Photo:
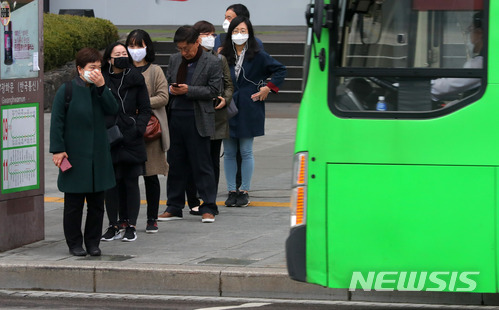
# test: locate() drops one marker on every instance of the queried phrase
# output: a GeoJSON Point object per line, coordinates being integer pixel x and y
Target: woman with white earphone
{"type": "Point", "coordinates": [250, 68]}
{"type": "Point", "coordinates": [129, 156]}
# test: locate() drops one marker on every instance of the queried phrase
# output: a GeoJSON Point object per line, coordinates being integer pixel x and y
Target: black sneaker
{"type": "Point", "coordinates": [111, 234]}
{"type": "Point", "coordinates": [242, 199]}
{"type": "Point", "coordinates": [231, 200]}
{"type": "Point", "coordinates": [152, 226]}
{"type": "Point", "coordinates": [130, 234]}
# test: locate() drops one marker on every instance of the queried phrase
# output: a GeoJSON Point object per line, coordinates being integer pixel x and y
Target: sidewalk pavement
{"type": "Point", "coordinates": [240, 255]}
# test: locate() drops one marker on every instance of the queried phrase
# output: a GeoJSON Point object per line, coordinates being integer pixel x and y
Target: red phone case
{"type": "Point", "coordinates": [65, 165]}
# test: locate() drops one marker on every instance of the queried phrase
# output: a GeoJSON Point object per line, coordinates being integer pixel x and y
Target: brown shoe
{"type": "Point", "coordinates": [207, 218]}
{"type": "Point", "coordinates": [167, 216]}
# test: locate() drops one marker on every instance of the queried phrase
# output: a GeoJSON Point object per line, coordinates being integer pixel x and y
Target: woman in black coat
{"type": "Point", "coordinates": [129, 155]}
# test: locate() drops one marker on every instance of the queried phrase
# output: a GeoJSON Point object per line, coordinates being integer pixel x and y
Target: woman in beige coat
{"type": "Point", "coordinates": [141, 48]}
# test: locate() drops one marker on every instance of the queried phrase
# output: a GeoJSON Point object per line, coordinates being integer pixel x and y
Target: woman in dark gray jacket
{"type": "Point", "coordinates": [206, 34]}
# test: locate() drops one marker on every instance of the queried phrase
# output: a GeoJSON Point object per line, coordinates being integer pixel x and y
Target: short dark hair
{"type": "Point", "coordinates": [239, 9]}
{"type": "Point", "coordinates": [136, 37]}
{"type": "Point", "coordinates": [227, 48]}
{"type": "Point", "coordinates": [203, 26]}
{"type": "Point", "coordinates": [186, 34]}
{"type": "Point", "coordinates": [87, 55]}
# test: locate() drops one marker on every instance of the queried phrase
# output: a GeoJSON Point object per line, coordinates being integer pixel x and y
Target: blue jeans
{"type": "Point", "coordinates": [230, 164]}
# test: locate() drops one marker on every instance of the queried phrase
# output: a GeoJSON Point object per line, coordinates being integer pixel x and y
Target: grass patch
{"type": "Point", "coordinates": [156, 34]}
{"type": "Point", "coordinates": [267, 32]}
{"type": "Point", "coordinates": [155, 39]}
{"type": "Point", "coordinates": [150, 31]}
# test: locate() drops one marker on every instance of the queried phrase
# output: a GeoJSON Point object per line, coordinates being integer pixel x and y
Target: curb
{"type": "Point", "coordinates": [182, 280]}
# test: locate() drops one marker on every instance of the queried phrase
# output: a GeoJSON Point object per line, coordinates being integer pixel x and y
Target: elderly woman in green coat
{"type": "Point", "coordinates": [78, 135]}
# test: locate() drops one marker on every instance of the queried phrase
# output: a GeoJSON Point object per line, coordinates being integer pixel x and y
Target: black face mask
{"type": "Point", "coordinates": [122, 62]}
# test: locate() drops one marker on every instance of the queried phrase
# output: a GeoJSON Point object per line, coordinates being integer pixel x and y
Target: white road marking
{"type": "Point", "coordinates": [249, 305]}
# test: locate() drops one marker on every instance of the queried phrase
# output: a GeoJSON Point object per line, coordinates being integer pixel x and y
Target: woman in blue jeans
{"type": "Point", "coordinates": [250, 68]}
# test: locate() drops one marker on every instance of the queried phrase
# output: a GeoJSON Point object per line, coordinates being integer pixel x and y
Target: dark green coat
{"type": "Point", "coordinates": [80, 131]}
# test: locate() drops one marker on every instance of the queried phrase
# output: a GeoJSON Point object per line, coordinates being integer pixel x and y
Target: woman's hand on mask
{"type": "Point", "coordinates": [97, 78]}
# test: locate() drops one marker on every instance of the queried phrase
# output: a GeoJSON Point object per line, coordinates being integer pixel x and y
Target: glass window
{"type": "Point", "coordinates": [401, 56]}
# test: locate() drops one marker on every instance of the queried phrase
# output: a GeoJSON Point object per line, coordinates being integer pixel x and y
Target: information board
{"type": "Point", "coordinates": [20, 147]}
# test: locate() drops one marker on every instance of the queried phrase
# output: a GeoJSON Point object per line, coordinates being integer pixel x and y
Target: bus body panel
{"type": "Point", "coordinates": [377, 222]}
{"type": "Point", "coordinates": [436, 155]}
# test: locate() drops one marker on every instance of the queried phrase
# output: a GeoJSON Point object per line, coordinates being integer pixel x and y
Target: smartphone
{"type": "Point", "coordinates": [216, 102]}
{"type": "Point", "coordinates": [175, 85]}
{"type": "Point", "coordinates": [65, 165]}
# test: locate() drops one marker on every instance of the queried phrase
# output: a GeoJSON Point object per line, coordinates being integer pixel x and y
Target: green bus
{"type": "Point", "coordinates": [395, 178]}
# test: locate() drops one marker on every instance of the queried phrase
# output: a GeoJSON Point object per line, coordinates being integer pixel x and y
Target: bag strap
{"type": "Point", "coordinates": [68, 93]}
{"type": "Point", "coordinates": [222, 83]}
{"type": "Point", "coordinates": [152, 76]}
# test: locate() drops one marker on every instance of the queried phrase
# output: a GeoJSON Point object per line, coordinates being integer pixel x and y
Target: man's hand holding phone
{"type": "Point", "coordinates": [178, 89]}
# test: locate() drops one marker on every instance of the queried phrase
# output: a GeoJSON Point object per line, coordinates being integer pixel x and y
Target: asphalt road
{"type": "Point", "coordinates": [80, 301]}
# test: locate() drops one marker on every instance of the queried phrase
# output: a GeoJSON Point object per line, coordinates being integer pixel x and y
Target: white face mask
{"type": "Point", "coordinates": [86, 76]}
{"type": "Point", "coordinates": [240, 39]}
{"type": "Point", "coordinates": [137, 54]}
{"type": "Point", "coordinates": [226, 25]}
{"type": "Point", "coordinates": [208, 42]}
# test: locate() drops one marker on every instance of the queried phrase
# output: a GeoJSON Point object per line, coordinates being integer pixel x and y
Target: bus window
{"type": "Point", "coordinates": [422, 57]}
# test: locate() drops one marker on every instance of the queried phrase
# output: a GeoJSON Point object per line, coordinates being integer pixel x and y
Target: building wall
{"type": "Point", "coordinates": [167, 12]}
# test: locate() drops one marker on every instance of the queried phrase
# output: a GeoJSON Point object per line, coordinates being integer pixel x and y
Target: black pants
{"type": "Point", "coordinates": [189, 153]}
{"type": "Point", "coordinates": [153, 192]}
{"type": "Point", "coordinates": [125, 199]}
{"type": "Point", "coordinates": [191, 191]}
{"type": "Point", "coordinates": [73, 213]}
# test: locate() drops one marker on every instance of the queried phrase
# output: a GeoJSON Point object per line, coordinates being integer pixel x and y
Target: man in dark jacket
{"type": "Point", "coordinates": [195, 78]}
